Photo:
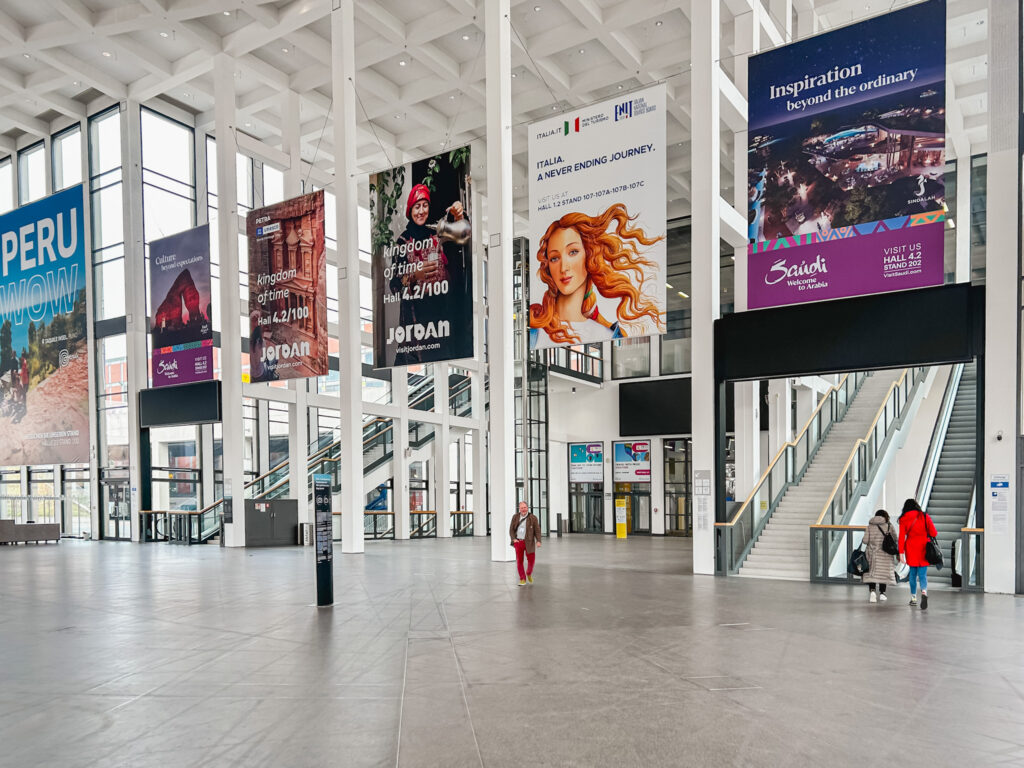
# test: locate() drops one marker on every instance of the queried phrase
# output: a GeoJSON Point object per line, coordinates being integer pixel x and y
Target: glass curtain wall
{"type": "Point", "coordinates": [107, 207]}
{"type": "Point", "coordinates": [6, 184]}
{"type": "Point", "coordinates": [66, 159]}
{"type": "Point", "coordinates": [32, 173]}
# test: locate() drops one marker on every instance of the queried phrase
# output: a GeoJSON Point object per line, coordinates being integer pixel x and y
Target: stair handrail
{"type": "Point", "coordinates": [931, 464]}
{"type": "Point", "coordinates": [731, 538]}
{"type": "Point", "coordinates": [972, 569]}
{"type": "Point", "coordinates": [896, 399]}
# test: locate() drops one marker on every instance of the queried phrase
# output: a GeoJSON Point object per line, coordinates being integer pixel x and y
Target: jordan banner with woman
{"type": "Point", "coordinates": [597, 222]}
{"type": "Point", "coordinates": [287, 290]}
{"type": "Point", "coordinates": [846, 161]}
{"type": "Point", "coordinates": [44, 352]}
{"type": "Point", "coordinates": [180, 307]}
{"type": "Point", "coordinates": [422, 261]}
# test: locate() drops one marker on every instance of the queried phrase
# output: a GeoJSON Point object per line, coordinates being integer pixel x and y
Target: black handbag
{"type": "Point", "coordinates": [933, 553]}
{"type": "Point", "coordinates": [858, 562]}
{"type": "Point", "coordinates": [889, 545]}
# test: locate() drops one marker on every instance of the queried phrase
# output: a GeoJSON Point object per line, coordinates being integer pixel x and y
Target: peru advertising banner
{"type": "Point", "coordinates": [597, 222]}
{"type": "Point", "coordinates": [44, 352]}
{"type": "Point", "coordinates": [179, 290]}
{"type": "Point", "coordinates": [287, 290]}
{"type": "Point", "coordinates": [845, 161]}
{"type": "Point", "coordinates": [422, 261]}
{"type": "Point", "coordinates": [586, 462]}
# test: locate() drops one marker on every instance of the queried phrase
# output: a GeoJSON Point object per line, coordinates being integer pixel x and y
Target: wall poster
{"type": "Point", "coordinates": [287, 290]}
{"type": "Point", "coordinates": [631, 462]}
{"type": "Point", "coordinates": [586, 462]}
{"type": "Point", "coordinates": [179, 290]}
{"type": "Point", "coordinates": [846, 157]}
{"type": "Point", "coordinates": [597, 222]}
{"type": "Point", "coordinates": [44, 351]}
{"type": "Point", "coordinates": [422, 261]}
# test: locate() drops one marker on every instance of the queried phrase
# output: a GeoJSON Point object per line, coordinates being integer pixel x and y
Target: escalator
{"type": "Point", "coordinates": [948, 481]}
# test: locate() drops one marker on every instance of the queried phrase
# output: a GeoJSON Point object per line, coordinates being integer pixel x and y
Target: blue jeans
{"type": "Point", "coordinates": [918, 572]}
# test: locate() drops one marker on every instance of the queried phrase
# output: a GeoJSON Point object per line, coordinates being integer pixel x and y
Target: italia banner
{"type": "Point", "coordinates": [44, 352]}
{"type": "Point", "coordinates": [287, 290]}
{"type": "Point", "coordinates": [422, 261]}
{"type": "Point", "coordinates": [179, 289]}
{"type": "Point", "coordinates": [846, 157]}
{"type": "Point", "coordinates": [597, 222]}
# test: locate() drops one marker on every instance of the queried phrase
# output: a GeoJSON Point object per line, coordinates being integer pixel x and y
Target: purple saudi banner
{"type": "Point", "coordinates": [845, 161]}
{"type": "Point", "coordinates": [179, 278]}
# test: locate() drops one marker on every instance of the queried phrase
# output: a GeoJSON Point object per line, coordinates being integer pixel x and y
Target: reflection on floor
{"type": "Point", "coordinates": [125, 655]}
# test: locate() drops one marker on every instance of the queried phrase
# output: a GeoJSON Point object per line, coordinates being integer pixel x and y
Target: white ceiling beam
{"type": "Point", "coordinates": [74, 11]}
{"type": "Point", "coordinates": [84, 72]}
{"type": "Point", "coordinates": [297, 14]}
{"type": "Point", "coordinates": [29, 124]}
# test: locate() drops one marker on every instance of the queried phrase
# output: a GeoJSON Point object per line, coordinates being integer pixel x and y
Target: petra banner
{"type": "Point", "coordinates": [287, 290]}
{"type": "Point", "coordinates": [586, 462]}
{"type": "Point", "coordinates": [846, 157]}
{"type": "Point", "coordinates": [422, 261]}
{"type": "Point", "coordinates": [44, 353]}
{"type": "Point", "coordinates": [597, 222]}
{"type": "Point", "coordinates": [179, 290]}
{"type": "Point", "coordinates": [631, 462]}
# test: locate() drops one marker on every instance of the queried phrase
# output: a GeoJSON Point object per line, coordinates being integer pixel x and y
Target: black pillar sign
{"type": "Point", "coordinates": [324, 540]}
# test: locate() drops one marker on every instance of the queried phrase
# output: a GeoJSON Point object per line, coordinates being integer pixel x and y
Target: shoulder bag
{"type": "Point", "coordinates": [859, 562]}
{"type": "Point", "coordinates": [932, 550]}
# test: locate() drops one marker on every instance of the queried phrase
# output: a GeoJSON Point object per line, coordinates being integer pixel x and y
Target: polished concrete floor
{"type": "Point", "coordinates": [126, 655]}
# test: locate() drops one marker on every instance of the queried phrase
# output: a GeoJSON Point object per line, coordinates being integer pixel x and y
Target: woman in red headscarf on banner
{"type": "Point", "coordinates": [421, 302]}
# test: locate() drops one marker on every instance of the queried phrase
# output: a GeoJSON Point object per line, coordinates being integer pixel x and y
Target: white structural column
{"type": "Point", "coordinates": [230, 320]}
{"type": "Point", "coordinates": [780, 420]}
{"type": "Point", "coordinates": [476, 386]}
{"type": "Point", "coordinates": [399, 449]}
{"type": "Point", "coordinates": [135, 293]}
{"type": "Point", "coordinates": [94, 360]}
{"type": "Point", "coordinates": [705, 34]}
{"type": "Point", "coordinates": [1002, 301]}
{"type": "Point", "coordinates": [499, 277]}
{"type": "Point", "coordinates": [442, 453]}
{"type": "Point", "coordinates": [343, 72]}
{"type": "Point", "coordinates": [961, 217]}
{"type": "Point", "coordinates": [298, 412]}
{"type": "Point", "coordinates": [746, 396]}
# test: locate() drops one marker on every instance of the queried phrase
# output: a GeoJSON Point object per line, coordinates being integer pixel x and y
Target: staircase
{"type": "Point", "coordinates": [950, 498]}
{"type": "Point", "coordinates": [782, 551]}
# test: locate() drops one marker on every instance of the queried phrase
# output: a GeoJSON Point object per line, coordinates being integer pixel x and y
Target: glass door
{"type": "Point", "coordinates": [586, 508]}
{"type": "Point", "coordinates": [117, 517]}
{"type": "Point", "coordinates": [77, 515]}
{"type": "Point", "coordinates": [641, 507]}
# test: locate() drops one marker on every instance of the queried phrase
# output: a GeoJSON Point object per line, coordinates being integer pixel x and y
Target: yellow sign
{"type": "Point", "coordinates": [620, 518]}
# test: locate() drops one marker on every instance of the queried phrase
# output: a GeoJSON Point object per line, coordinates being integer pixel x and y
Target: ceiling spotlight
{"type": "Point", "coordinates": [185, 94]}
{"type": "Point", "coordinates": [227, 13]}
{"type": "Point", "coordinates": [402, 62]}
{"type": "Point", "coordinates": [398, 116]}
{"type": "Point", "coordinates": [75, 82]}
{"type": "Point", "coordinates": [536, 8]}
{"type": "Point", "coordinates": [554, 108]}
{"type": "Point", "coordinates": [582, 50]}
{"type": "Point", "coordinates": [284, 50]}
{"type": "Point", "coordinates": [658, 23]}
{"type": "Point", "coordinates": [451, 97]}
{"type": "Point", "coordinates": [107, 54]}
{"type": "Point", "coordinates": [165, 34]}
{"type": "Point", "coordinates": [514, 75]}
{"type": "Point", "coordinates": [465, 37]}
{"type": "Point", "coordinates": [248, 124]}
{"type": "Point", "coordinates": [26, 55]}
{"type": "Point", "coordinates": [619, 87]}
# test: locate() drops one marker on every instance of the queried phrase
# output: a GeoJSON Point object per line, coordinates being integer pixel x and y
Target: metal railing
{"type": "Point", "coordinates": [931, 464]}
{"type": "Point", "coordinates": [736, 537]}
{"type": "Point", "coordinates": [462, 523]}
{"type": "Point", "coordinates": [826, 542]}
{"type": "Point", "coordinates": [585, 361]}
{"type": "Point", "coordinates": [969, 552]}
{"type": "Point", "coordinates": [423, 525]}
{"type": "Point", "coordinates": [857, 475]}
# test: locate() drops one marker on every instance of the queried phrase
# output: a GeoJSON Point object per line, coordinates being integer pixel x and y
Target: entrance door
{"type": "Point", "coordinates": [641, 507]}
{"type": "Point", "coordinates": [586, 508]}
{"type": "Point", "coordinates": [117, 517]}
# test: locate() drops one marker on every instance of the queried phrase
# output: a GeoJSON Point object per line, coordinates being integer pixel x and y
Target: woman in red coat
{"type": "Point", "coordinates": [916, 528]}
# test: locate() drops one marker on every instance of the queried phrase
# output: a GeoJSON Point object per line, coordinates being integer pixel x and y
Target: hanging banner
{"type": "Point", "coordinates": [586, 462]}
{"type": "Point", "coordinates": [846, 157]}
{"type": "Point", "coordinates": [287, 290]}
{"type": "Point", "coordinates": [44, 352]}
{"type": "Point", "coordinates": [179, 291]}
{"type": "Point", "coordinates": [631, 462]}
{"type": "Point", "coordinates": [422, 261]}
{"type": "Point", "coordinates": [597, 222]}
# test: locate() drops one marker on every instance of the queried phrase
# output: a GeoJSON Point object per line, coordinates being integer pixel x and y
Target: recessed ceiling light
{"type": "Point", "coordinates": [536, 8]}
{"type": "Point", "coordinates": [441, 143]}
{"type": "Point", "coordinates": [658, 23]}
{"type": "Point", "coordinates": [284, 50]}
{"type": "Point", "coordinates": [402, 62]}
{"type": "Point", "coordinates": [107, 54]}
{"type": "Point", "coordinates": [465, 37]}
{"type": "Point", "coordinates": [554, 108]}
{"type": "Point", "coordinates": [185, 94]}
{"type": "Point", "coordinates": [27, 56]}
{"type": "Point", "coordinates": [514, 75]}
{"type": "Point", "coordinates": [165, 34]}
{"type": "Point", "coordinates": [75, 82]}
{"type": "Point", "coordinates": [451, 97]}
{"type": "Point", "coordinates": [227, 13]}
{"type": "Point", "coordinates": [398, 116]}
{"type": "Point", "coordinates": [619, 87]}
{"type": "Point", "coordinates": [248, 124]}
